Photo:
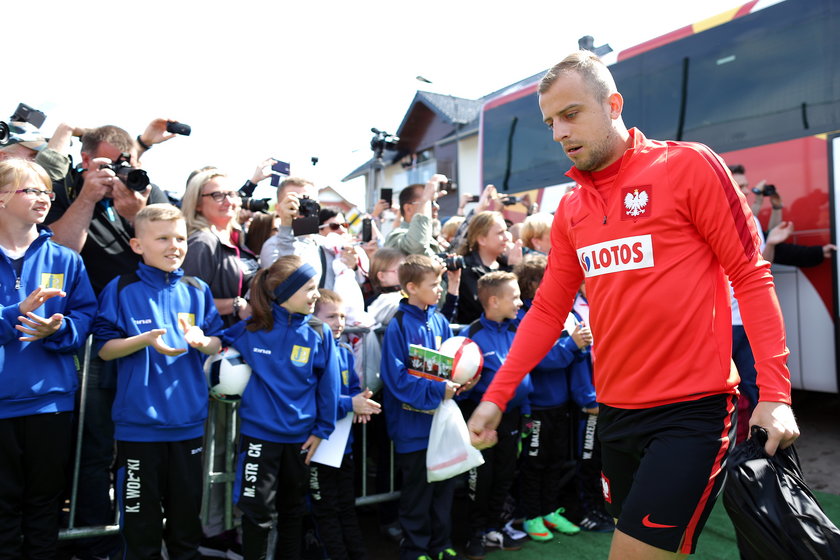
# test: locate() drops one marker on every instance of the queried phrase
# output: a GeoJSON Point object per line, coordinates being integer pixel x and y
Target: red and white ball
{"type": "Point", "coordinates": [467, 358]}
{"type": "Point", "coordinates": [227, 375]}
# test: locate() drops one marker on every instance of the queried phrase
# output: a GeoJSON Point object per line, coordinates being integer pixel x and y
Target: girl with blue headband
{"type": "Point", "coordinates": [289, 405]}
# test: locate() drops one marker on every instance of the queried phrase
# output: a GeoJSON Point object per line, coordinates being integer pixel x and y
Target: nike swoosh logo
{"type": "Point", "coordinates": [574, 222]}
{"type": "Point", "coordinates": [648, 523]}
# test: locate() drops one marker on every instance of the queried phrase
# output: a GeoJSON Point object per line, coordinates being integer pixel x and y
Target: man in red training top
{"type": "Point", "coordinates": [654, 228]}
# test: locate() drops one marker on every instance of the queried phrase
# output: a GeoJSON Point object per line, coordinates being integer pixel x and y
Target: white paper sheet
{"type": "Point", "coordinates": [330, 452]}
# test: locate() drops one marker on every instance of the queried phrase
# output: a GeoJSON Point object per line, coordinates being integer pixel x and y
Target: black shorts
{"type": "Point", "coordinates": [662, 467]}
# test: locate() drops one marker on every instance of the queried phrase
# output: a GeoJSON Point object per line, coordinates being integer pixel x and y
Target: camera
{"type": "Point", "coordinates": [474, 198]}
{"type": "Point", "coordinates": [5, 133]}
{"type": "Point", "coordinates": [382, 141]}
{"type": "Point", "coordinates": [25, 113]}
{"type": "Point", "coordinates": [307, 221]}
{"type": "Point", "coordinates": [308, 208]}
{"type": "Point", "coordinates": [510, 200]}
{"type": "Point", "coordinates": [768, 190]}
{"type": "Point", "coordinates": [132, 177]}
{"type": "Point", "coordinates": [452, 262]}
{"type": "Point", "coordinates": [173, 127]}
{"type": "Point", "coordinates": [255, 204]}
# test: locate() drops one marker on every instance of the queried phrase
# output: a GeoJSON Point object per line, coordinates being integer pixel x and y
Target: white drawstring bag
{"type": "Point", "coordinates": [450, 452]}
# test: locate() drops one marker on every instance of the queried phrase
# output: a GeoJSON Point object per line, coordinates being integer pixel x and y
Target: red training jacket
{"type": "Point", "coordinates": [655, 260]}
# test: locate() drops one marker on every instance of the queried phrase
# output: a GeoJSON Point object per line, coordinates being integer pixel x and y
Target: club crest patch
{"type": "Point", "coordinates": [188, 318]}
{"type": "Point", "coordinates": [638, 202]}
{"type": "Point", "coordinates": [300, 355]}
{"type": "Point", "coordinates": [49, 280]}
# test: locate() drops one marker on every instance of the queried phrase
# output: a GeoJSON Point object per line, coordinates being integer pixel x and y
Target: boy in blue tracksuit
{"type": "Point", "coordinates": [547, 461]}
{"type": "Point", "coordinates": [332, 489]}
{"type": "Point", "coordinates": [158, 325]}
{"type": "Point", "coordinates": [489, 483]}
{"type": "Point", "coordinates": [425, 509]}
{"type": "Point", "coordinates": [288, 407]}
{"type": "Point", "coordinates": [46, 307]}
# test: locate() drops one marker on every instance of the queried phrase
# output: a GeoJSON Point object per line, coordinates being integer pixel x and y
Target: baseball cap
{"type": "Point", "coordinates": [27, 135]}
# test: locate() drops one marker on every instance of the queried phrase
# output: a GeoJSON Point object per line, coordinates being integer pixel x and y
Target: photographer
{"type": "Point", "coordinates": [790, 254]}
{"type": "Point", "coordinates": [415, 235]}
{"type": "Point", "coordinates": [297, 198]}
{"type": "Point", "coordinates": [26, 142]}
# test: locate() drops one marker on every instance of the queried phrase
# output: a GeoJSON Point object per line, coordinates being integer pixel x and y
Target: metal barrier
{"type": "Point", "coordinates": [212, 477]}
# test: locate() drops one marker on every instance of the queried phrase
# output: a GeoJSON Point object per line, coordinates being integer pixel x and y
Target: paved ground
{"type": "Point", "coordinates": [818, 415]}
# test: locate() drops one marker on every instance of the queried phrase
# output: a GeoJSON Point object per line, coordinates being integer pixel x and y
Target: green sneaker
{"type": "Point", "coordinates": [559, 523]}
{"type": "Point", "coordinates": [424, 557]}
{"type": "Point", "coordinates": [537, 530]}
{"type": "Point", "coordinates": [448, 554]}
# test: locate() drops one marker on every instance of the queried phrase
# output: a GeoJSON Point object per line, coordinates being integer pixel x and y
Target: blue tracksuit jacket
{"type": "Point", "coordinates": [409, 400]}
{"type": "Point", "coordinates": [495, 339]}
{"type": "Point", "coordinates": [295, 380]}
{"type": "Point", "coordinates": [562, 375]}
{"type": "Point", "coordinates": [40, 377]}
{"type": "Point", "coordinates": [350, 386]}
{"type": "Point", "coordinates": [159, 397]}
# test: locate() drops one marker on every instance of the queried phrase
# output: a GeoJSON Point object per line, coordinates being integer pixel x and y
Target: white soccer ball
{"type": "Point", "coordinates": [227, 375]}
{"type": "Point", "coordinates": [467, 358]}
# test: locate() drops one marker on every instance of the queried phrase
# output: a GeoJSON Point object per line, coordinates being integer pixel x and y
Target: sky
{"type": "Point", "coordinates": [293, 80]}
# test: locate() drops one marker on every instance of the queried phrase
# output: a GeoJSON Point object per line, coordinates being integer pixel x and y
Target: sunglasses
{"type": "Point", "coordinates": [219, 196]}
{"type": "Point", "coordinates": [335, 227]}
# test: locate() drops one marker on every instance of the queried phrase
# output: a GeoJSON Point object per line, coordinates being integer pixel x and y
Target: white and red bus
{"type": "Point", "coordinates": [763, 90]}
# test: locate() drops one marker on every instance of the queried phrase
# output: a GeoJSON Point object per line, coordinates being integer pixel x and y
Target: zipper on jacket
{"type": "Point", "coordinates": [17, 282]}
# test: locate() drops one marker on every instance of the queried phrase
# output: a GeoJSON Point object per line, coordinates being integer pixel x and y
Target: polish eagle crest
{"type": "Point", "coordinates": [635, 202]}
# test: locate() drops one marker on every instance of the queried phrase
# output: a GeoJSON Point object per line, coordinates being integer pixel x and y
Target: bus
{"type": "Point", "coordinates": [762, 90]}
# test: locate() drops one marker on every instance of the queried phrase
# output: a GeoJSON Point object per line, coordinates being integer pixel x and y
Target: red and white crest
{"type": "Point", "coordinates": [637, 202]}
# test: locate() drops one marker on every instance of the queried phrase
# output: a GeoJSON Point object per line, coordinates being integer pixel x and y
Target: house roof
{"type": "Point", "coordinates": [463, 114]}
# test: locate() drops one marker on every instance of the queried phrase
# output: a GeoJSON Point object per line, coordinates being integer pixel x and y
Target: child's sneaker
{"type": "Point", "coordinates": [597, 522]}
{"type": "Point", "coordinates": [448, 554]}
{"type": "Point", "coordinates": [498, 539]}
{"type": "Point", "coordinates": [559, 523]}
{"type": "Point", "coordinates": [474, 550]}
{"type": "Point", "coordinates": [537, 530]}
{"type": "Point", "coordinates": [513, 532]}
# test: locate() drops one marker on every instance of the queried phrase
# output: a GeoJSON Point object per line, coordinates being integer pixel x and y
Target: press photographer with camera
{"type": "Point", "coordinates": [416, 233]}
{"type": "Point", "coordinates": [790, 254]}
{"type": "Point", "coordinates": [298, 210]}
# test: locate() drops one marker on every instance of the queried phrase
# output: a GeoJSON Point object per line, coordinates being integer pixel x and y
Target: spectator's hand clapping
{"type": "Point", "coordinates": [154, 338]}
{"type": "Point", "coordinates": [35, 327]}
{"type": "Point", "coordinates": [364, 407]}
{"type": "Point", "coordinates": [37, 298]}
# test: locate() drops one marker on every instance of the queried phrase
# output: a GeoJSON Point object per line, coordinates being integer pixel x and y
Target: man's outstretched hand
{"type": "Point", "coordinates": [483, 423]}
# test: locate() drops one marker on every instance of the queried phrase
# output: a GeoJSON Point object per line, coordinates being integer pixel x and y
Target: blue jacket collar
{"type": "Point", "coordinates": [156, 276]}
{"type": "Point", "coordinates": [283, 316]}
{"type": "Point", "coordinates": [416, 312]}
{"type": "Point", "coordinates": [495, 325]}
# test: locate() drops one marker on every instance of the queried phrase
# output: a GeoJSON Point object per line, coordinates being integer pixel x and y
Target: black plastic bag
{"type": "Point", "coordinates": [775, 514]}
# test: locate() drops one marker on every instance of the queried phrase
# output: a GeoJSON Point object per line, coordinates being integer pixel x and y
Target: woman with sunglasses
{"type": "Point", "coordinates": [216, 246]}
{"type": "Point", "coordinates": [46, 308]}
